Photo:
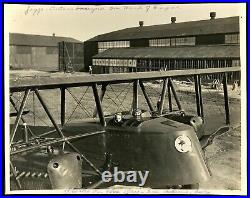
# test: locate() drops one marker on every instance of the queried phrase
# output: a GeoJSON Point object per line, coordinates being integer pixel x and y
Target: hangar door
{"type": "Point", "coordinates": [71, 57]}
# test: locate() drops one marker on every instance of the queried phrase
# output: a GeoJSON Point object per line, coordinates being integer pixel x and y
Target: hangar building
{"type": "Point", "coordinates": [39, 52]}
{"type": "Point", "coordinates": [195, 44]}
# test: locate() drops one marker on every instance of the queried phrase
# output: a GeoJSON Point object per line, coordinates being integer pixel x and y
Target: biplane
{"type": "Point", "coordinates": [169, 143]}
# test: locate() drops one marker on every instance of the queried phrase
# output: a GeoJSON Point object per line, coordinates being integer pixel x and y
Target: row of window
{"type": "Point", "coordinates": [170, 64]}
{"type": "Point", "coordinates": [115, 69]}
{"type": "Point", "coordinates": [164, 42]}
{"type": "Point", "coordinates": [172, 42]}
{"type": "Point", "coordinates": [102, 46]}
{"type": "Point", "coordinates": [232, 38]}
{"type": "Point", "coordinates": [114, 62]}
{"type": "Point", "coordinates": [186, 63]}
{"type": "Point", "coordinates": [144, 65]}
{"type": "Point", "coordinates": [167, 64]}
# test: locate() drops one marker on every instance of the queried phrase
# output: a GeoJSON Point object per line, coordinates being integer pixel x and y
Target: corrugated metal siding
{"type": "Point", "coordinates": [43, 61]}
{"type": "Point", "coordinates": [19, 61]}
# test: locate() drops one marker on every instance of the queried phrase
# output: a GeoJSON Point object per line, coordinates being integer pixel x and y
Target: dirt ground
{"type": "Point", "coordinates": [223, 156]}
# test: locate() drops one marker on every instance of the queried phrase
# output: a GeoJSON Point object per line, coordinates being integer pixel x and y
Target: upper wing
{"type": "Point", "coordinates": [55, 80]}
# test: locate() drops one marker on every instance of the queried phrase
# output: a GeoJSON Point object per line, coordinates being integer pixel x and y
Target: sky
{"type": "Point", "coordinates": [83, 22]}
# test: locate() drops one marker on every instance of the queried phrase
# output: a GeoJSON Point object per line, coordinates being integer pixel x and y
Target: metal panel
{"type": "Point", "coordinates": [43, 61]}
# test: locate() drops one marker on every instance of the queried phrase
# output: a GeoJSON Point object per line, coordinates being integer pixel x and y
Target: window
{"type": "Point", "coordinates": [115, 62]}
{"type": "Point", "coordinates": [102, 62]}
{"type": "Point", "coordinates": [112, 61]}
{"type": "Point", "coordinates": [102, 46]}
{"type": "Point", "coordinates": [119, 62]}
{"type": "Point", "coordinates": [125, 62]}
{"type": "Point", "coordinates": [159, 42]}
{"type": "Point", "coordinates": [98, 62]}
{"type": "Point", "coordinates": [130, 62]}
{"type": "Point", "coordinates": [185, 41]}
{"type": "Point", "coordinates": [172, 42]}
{"type": "Point", "coordinates": [107, 62]}
{"type": "Point", "coordinates": [232, 38]}
{"type": "Point", "coordinates": [235, 63]}
{"type": "Point", "coordinates": [23, 49]}
{"type": "Point", "coordinates": [134, 63]}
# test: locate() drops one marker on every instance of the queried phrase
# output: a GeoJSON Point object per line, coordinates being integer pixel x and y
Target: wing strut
{"type": "Point", "coordinates": [199, 103]}
{"type": "Point", "coordinates": [170, 106]}
{"type": "Point", "coordinates": [146, 96]}
{"type": "Point", "coordinates": [98, 105]}
{"type": "Point", "coordinates": [163, 95]}
{"type": "Point", "coordinates": [226, 98]}
{"type": "Point", "coordinates": [103, 91]}
{"type": "Point", "coordinates": [19, 115]}
{"type": "Point", "coordinates": [63, 105]}
{"type": "Point", "coordinates": [174, 94]}
{"type": "Point", "coordinates": [135, 104]}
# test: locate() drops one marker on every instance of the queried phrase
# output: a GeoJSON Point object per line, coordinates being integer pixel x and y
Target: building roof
{"type": "Point", "coordinates": [191, 28]}
{"type": "Point", "coordinates": [221, 51]}
{"type": "Point", "coordinates": [38, 40]}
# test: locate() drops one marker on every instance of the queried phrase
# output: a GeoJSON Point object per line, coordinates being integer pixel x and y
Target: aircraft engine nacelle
{"type": "Point", "coordinates": [168, 149]}
{"type": "Point", "coordinates": [65, 171]}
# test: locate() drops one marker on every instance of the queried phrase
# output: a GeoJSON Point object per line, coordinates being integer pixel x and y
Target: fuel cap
{"type": "Point", "coordinates": [183, 144]}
